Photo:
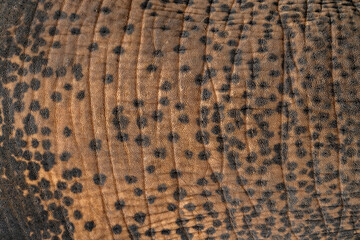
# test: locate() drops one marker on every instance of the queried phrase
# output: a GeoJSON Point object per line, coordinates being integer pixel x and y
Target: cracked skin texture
{"type": "Point", "coordinates": [179, 119]}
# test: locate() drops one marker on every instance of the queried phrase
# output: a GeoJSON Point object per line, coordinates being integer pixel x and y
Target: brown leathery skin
{"type": "Point", "coordinates": [179, 119]}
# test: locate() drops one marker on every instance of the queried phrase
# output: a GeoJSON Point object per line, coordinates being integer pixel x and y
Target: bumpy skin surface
{"type": "Point", "coordinates": [179, 119]}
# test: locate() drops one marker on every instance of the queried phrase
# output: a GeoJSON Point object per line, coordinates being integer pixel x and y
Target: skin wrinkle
{"type": "Point", "coordinates": [107, 137]}
{"type": "Point", "coordinates": [231, 8]}
{"type": "Point", "coordinates": [246, 128]}
{"type": "Point", "coordinates": [312, 158]}
{"type": "Point", "coordinates": [118, 82]}
{"type": "Point", "coordinates": [293, 101]}
{"type": "Point", "coordinates": [92, 118]}
{"type": "Point", "coordinates": [179, 94]}
{"type": "Point", "coordinates": [175, 163]}
{"type": "Point", "coordinates": [337, 158]}
{"type": "Point", "coordinates": [181, 32]}
{"type": "Point", "coordinates": [171, 114]}
{"type": "Point", "coordinates": [178, 182]}
{"type": "Point", "coordinates": [157, 122]}
{"type": "Point", "coordinates": [158, 88]}
{"type": "Point", "coordinates": [201, 129]}
{"type": "Point", "coordinates": [55, 108]}
{"type": "Point", "coordinates": [245, 135]}
{"type": "Point", "coordinates": [174, 160]}
{"type": "Point", "coordinates": [313, 167]}
{"type": "Point", "coordinates": [245, 125]}
{"type": "Point", "coordinates": [71, 114]}
{"type": "Point", "coordinates": [137, 94]}
{"type": "Point", "coordinates": [281, 133]}
{"type": "Point", "coordinates": [117, 102]}
{"type": "Point", "coordinates": [338, 133]}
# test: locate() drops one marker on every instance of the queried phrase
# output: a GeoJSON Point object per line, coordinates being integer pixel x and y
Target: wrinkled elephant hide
{"type": "Point", "coordinates": [179, 119]}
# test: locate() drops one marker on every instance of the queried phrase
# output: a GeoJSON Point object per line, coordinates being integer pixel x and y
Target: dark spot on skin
{"type": "Point", "coordinates": [60, 72]}
{"type": "Point", "coordinates": [80, 95]}
{"type": "Point", "coordinates": [89, 226]}
{"type": "Point", "coordinates": [179, 194]}
{"type": "Point", "coordinates": [129, 29]}
{"type": "Point", "coordinates": [30, 125]}
{"type": "Point", "coordinates": [150, 169]}
{"type": "Point", "coordinates": [60, 15]}
{"type": "Point", "coordinates": [130, 179]}
{"type": "Point", "coordinates": [151, 68]}
{"type": "Point", "coordinates": [65, 156]}
{"type": "Point", "coordinates": [93, 47]}
{"type": "Point", "coordinates": [76, 188]}
{"type": "Point", "coordinates": [56, 97]}
{"type": "Point", "coordinates": [47, 72]}
{"type": "Point", "coordinates": [106, 10]}
{"type": "Point", "coordinates": [108, 79]}
{"type": "Point", "coordinates": [48, 161]}
{"type": "Point", "coordinates": [179, 49]}
{"type": "Point", "coordinates": [142, 140]}
{"type": "Point", "coordinates": [158, 53]}
{"type": "Point", "coordinates": [118, 50]}
{"type": "Point", "coordinates": [35, 84]}
{"type": "Point", "coordinates": [104, 31]}
{"type": "Point", "coordinates": [139, 217]}
{"type": "Point", "coordinates": [73, 17]}
{"type": "Point", "coordinates": [233, 160]}
{"type": "Point", "coordinates": [95, 144]}
{"type": "Point", "coordinates": [160, 153]}
{"type": "Point", "coordinates": [77, 71]}
{"type": "Point", "coordinates": [204, 155]}
{"type": "Point", "coordinates": [119, 205]}
{"type": "Point", "coordinates": [117, 229]}
{"type": "Point", "coordinates": [99, 179]}
{"type": "Point", "coordinates": [75, 31]}
{"type": "Point", "coordinates": [67, 132]}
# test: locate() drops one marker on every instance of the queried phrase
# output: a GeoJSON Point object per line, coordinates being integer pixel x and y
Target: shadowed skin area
{"type": "Point", "coordinates": [179, 119]}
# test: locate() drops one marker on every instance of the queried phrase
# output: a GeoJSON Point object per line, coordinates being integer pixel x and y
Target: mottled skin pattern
{"type": "Point", "coordinates": [179, 119]}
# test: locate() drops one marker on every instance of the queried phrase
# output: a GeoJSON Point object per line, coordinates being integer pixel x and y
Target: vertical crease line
{"type": "Point", "coordinates": [71, 112]}
{"type": "Point", "coordinates": [126, 148]}
{"type": "Point", "coordinates": [108, 139]}
{"type": "Point", "coordinates": [337, 128]}
{"type": "Point", "coordinates": [137, 92]}
{"type": "Point", "coordinates": [92, 119]}
{"type": "Point", "coordinates": [201, 128]}
{"type": "Point", "coordinates": [281, 127]}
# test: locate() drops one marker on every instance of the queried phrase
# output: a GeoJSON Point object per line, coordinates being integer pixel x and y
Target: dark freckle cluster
{"type": "Point", "coordinates": [179, 119]}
